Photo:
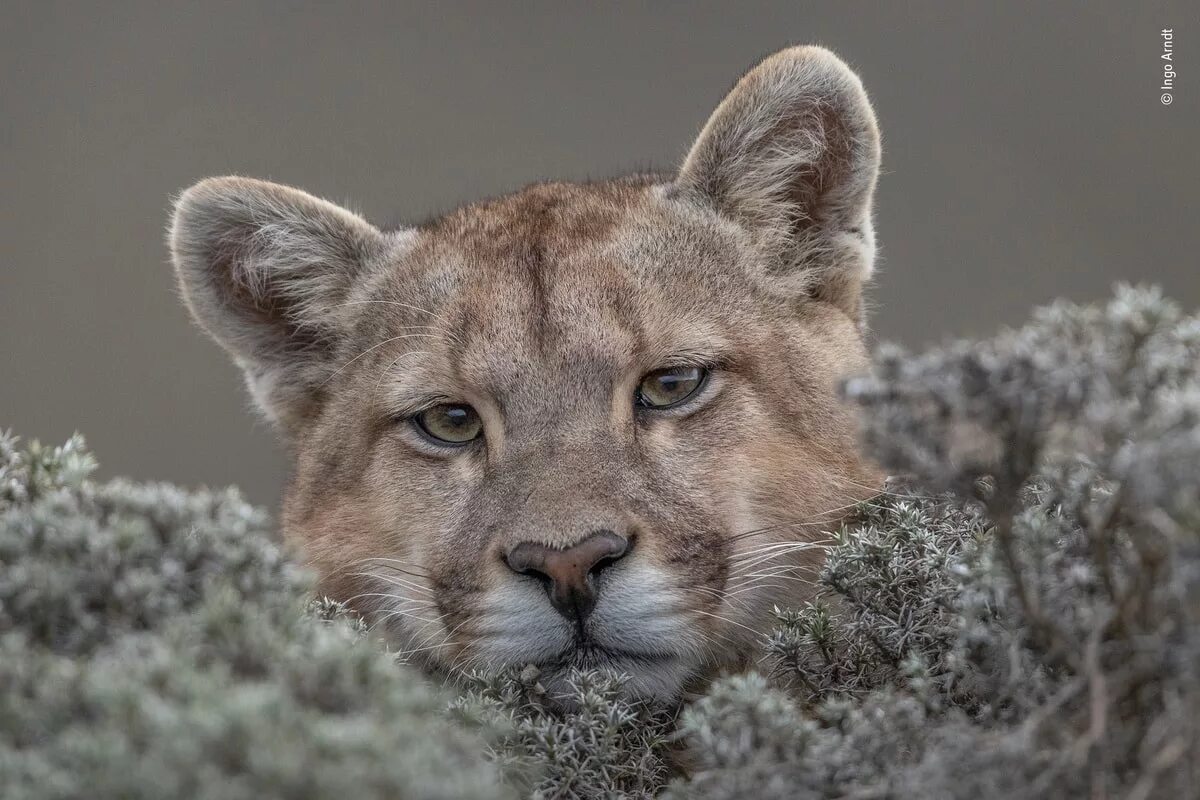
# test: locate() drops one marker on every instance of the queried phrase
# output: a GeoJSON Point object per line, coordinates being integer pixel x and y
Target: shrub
{"type": "Point", "coordinates": [1033, 632]}
{"type": "Point", "coordinates": [594, 741]}
{"type": "Point", "coordinates": [153, 645]}
{"type": "Point", "coordinates": [1016, 615]}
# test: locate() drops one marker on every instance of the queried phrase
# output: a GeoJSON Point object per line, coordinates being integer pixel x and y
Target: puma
{"type": "Point", "coordinates": [582, 425]}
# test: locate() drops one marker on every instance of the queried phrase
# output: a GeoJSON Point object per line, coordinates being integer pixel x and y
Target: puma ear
{"type": "Point", "coordinates": [792, 154]}
{"type": "Point", "coordinates": [263, 267]}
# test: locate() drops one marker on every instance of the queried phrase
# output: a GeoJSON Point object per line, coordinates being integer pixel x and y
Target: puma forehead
{"type": "Point", "coordinates": [579, 425]}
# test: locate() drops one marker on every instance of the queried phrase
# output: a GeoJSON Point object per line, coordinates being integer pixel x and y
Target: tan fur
{"type": "Point", "coordinates": [542, 310]}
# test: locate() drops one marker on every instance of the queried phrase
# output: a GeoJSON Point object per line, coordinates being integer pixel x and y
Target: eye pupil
{"type": "Point", "coordinates": [669, 387]}
{"type": "Point", "coordinates": [450, 424]}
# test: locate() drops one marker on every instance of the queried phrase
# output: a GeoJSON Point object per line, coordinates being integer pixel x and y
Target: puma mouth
{"type": "Point", "coordinates": [649, 675]}
{"type": "Point", "coordinates": [590, 654]}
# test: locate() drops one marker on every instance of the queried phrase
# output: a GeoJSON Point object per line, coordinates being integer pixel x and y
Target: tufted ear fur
{"type": "Point", "coordinates": [792, 155]}
{"type": "Point", "coordinates": [262, 268]}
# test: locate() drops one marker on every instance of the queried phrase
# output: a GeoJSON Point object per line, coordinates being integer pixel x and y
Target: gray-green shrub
{"type": "Point", "coordinates": [1017, 615]}
{"type": "Point", "coordinates": [153, 645]}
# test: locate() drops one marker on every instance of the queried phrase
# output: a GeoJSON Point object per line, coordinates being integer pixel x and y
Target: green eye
{"type": "Point", "coordinates": [450, 424]}
{"type": "Point", "coordinates": [665, 388]}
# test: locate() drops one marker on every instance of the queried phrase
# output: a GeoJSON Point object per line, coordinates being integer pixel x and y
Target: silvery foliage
{"type": "Point", "coordinates": [153, 645]}
{"type": "Point", "coordinates": [590, 741]}
{"type": "Point", "coordinates": [1020, 615]}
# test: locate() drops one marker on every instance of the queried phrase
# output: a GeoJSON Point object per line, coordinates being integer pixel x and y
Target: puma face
{"type": "Point", "coordinates": [583, 425]}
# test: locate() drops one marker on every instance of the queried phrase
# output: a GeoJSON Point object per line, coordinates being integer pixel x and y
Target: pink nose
{"type": "Point", "coordinates": [569, 575]}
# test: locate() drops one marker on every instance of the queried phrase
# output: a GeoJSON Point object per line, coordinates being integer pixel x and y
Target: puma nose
{"type": "Point", "coordinates": [569, 575]}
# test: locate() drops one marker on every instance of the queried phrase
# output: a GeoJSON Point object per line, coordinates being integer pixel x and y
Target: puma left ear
{"type": "Point", "coordinates": [792, 155]}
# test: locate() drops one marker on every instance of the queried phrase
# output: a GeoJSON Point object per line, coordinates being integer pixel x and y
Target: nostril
{"type": "Point", "coordinates": [610, 552]}
{"type": "Point", "coordinates": [602, 565]}
{"type": "Point", "coordinates": [527, 558]}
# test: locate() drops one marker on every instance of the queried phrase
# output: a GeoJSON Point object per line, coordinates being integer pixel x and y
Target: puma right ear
{"type": "Point", "coordinates": [262, 268]}
{"type": "Point", "coordinates": [792, 154]}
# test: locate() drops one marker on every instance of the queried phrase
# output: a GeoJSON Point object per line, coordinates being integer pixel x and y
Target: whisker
{"type": "Point", "coordinates": [391, 614]}
{"type": "Point", "coordinates": [757, 531]}
{"type": "Point", "coordinates": [749, 586]}
{"type": "Point", "coordinates": [383, 375]}
{"type": "Point", "coordinates": [766, 559]}
{"type": "Point", "coordinates": [719, 596]}
{"type": "Point", "coordinates": [743, 563]}
{"type": "Point", "coordinates": [726, 620]}
{"type": "Point", "coordinates": [445, 640]}
{"type": "Point", "coordinates": [388, 616]}
{"type": "Point", "coordinates": [757, 582]}
{"type": "Point", "coordinates": [449, 334]}
{"type": "Point", "coordinates": [796, 543]}
{"type": "Point", "coordinates": [780, 569]}
{"type": "Point", "coordinates": [390, 562]}
{"type": "Point", "coordinates": [376, 347]}
{"type": "Point", "coordinates": [798, 522]}
{"type": "Point", "coordinates": [395, 581]}
{"type": "Point", "coordinates": [387, 595]}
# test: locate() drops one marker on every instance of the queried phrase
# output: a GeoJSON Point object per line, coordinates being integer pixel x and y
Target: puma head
{"type": "Point", "coordinates": [582, 425]}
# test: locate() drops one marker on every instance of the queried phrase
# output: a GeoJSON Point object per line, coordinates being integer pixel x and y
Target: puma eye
{"type": "Point", "coordinates": [666, 388]}
{"type": "Point", "coordinates": [450, 424]}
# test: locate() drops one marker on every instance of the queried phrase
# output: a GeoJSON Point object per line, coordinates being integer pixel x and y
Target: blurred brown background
{"type": "Point", "coordinates": [1027, 156]}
